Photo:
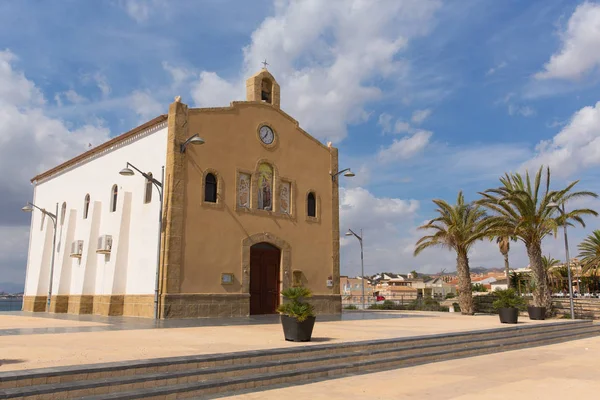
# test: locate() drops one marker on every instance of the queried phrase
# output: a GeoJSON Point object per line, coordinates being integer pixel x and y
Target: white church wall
{"type": "Point", "coordinates": [130, 268]}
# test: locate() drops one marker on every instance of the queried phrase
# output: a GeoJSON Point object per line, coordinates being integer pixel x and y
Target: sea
{"type": "Point", "coordinates": [13, 304]}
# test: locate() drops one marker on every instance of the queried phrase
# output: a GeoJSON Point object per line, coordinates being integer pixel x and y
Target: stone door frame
{"type": "Point", "coordinates": [285, 264]}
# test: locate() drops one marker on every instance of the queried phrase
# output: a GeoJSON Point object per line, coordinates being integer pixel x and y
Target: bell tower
{"type": "Point", "coordinates": [263, 87]}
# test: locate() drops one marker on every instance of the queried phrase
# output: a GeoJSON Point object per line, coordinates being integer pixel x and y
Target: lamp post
{"type": "Point", "coordinates": [127, 171]}
{"type": "Point", "coordinates": [362, 265]}
{"type": "Point", "coordinates": [562, 212]}
{"type": "Point", "coordinates": [195, 139]}
{"type": "Point", "coordinates": [347, 173]}
{"type": "Point", "coordinates": [29, 208]}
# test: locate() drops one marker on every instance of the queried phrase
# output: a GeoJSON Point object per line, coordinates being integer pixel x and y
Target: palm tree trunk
{"type": "Point", "coordinates": [507, 270]}
{"type": "Point", "coordinates": [465, 297]}
{"type": "Point", "coordinates": [540, 294]}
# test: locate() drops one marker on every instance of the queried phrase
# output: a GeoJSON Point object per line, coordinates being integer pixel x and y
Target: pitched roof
{"type": "Point", "coordinates": [101, 147]}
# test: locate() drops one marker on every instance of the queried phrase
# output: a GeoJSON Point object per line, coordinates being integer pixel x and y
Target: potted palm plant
{"type": "Point", "coordinates": [534, 312]}
{"type": "Point", "coordinates": [508, 304]}
{"type": "Point", "coordinates": [297, 316]}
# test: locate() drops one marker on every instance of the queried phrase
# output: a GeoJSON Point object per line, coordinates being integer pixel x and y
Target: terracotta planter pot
{"type": "Point", "coordinates": [537, 313]}
{"type": "Point", "coordinates": [509, 315]}
{"type": "Point", "coordinates": [295, 331]}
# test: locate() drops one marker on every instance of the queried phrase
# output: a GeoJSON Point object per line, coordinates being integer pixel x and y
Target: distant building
{"type": "Point", "coordinates": [351, 290]}
{"type": "Point", "coordinates": [434, 287]}
{"type": "Point", "coordinates": [499, 284]}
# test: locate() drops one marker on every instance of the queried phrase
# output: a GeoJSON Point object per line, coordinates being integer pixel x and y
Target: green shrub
{"type": "Point", "coordinates": [350, 307]}
{"type": "Point", "coordinates": [387, 305]}
{"type": "Point", "coordinates": [294, 306]}
{"type": "Point", "coordinates": [456, 307]}
{"type": "Point", "coordinates": [450, 296]}
{"type": "Point", "coordinates": [508, 298]}
{"type": "Point", "coordinates": [427, 304]}
{"type": "Point", "coordinates": [478, 287]}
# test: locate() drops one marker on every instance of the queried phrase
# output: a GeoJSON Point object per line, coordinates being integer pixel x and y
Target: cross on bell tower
{"type": "Point", "coordinates": [265, 63]}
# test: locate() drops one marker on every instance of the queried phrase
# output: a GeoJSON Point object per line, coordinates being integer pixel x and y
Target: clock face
{"type": "Point", "coordinates": [266, 134]}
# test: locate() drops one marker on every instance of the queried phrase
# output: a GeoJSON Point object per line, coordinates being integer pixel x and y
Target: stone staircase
{"type": "Point", "coordinates": [213, 375]}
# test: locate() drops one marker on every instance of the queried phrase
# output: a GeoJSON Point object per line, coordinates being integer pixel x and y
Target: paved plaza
{"type": "Point", "coordinates": [40, 340]}
{"type": "Point", "coordinates": [561, 371]}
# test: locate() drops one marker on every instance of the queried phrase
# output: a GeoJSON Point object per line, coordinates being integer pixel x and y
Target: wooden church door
{"type": "Point", "coordinates": [264, 279]}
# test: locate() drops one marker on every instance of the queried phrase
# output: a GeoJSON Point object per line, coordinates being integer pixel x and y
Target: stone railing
{"type": "Point", "coordinates": [584, 308]}
{"type": "Point", "coordinates": [483, 304]}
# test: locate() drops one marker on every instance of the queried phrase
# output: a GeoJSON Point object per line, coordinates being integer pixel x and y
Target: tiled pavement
{"type": "Point", "coordinates": [102, 324]}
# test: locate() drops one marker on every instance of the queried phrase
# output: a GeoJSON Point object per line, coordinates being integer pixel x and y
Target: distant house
{"type": "Point", "coordinates": [351, 290]}
{"type": "Point", "coordinates": [499, 284]}
{"type": "Point", "coordinates": [435, 287]}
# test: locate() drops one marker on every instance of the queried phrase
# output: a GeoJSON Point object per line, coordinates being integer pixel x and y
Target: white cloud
{"type": "Point", "coordinates": [25, 131]}
{"type": "Point", "coordinates": [524, 111]}
{"type": "Point", "coordinates": [102, 84]}
{"type": "Point", "coordinates": [386, 120]}
{"type": "Point", "coordinates": [513, 108]}
{"type": "Point", "coordinates": [359, 207]}
{"type": "Point", "coordinates": [74, 97]}
{"type": "Point", "coordinates": [419, 116]}
{"type": "Point", "coordinates": [179, 75]}
{"type": "Point", "coordinates": [146, 106]}
{"type": "Point", "coordinates": [406, 147]}
{"type": "Point", "coordinates": [71, 95]}
{"type": "Point", "coordinates": [580, 51]}
{"type": "Point", "coordinates": [401, 127]}
{"type": "Point", "coordinates": [384, 222]}
{"type": "Point", "coordinates": [15, 89]}
{"type": "Point", "coordinates": [325, 57]}
{"type": "Point", "coordinates": [213, 91]}
{"type": "Point", "coordinates": [141, 10]}
{"type": "Point", "coordinates": [575, 147]}
{"type": "Point", "coordinates": [495, 69]}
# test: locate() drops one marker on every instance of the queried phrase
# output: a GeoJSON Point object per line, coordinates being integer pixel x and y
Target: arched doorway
{"type": "Point", "coordinates": [264, 278]}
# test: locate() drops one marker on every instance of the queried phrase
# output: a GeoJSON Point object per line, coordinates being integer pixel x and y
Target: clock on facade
{"type": "Point", "coordinates": [266, 134]}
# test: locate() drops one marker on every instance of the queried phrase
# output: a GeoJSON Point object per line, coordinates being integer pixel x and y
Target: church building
{"type": "Point", "coordinates": [201, 212]}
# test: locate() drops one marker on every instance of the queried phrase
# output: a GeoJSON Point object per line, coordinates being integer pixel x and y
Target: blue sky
{"type": "Point", "coordinates": [423, 98]}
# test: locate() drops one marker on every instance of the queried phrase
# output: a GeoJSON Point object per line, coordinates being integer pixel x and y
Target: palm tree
{"type": "Point", "coordinates": [522, 211]}
{"type": "Point", "coordinates": [457, 228]}
{"type": "Point", "coordinates": [552, 273]}
{"type": "Point", "coordinates": [504, 247]}
{"type": "Point", "coordinates": [589, 252]}
{"type": "Point", "coordinates": [518, 280]}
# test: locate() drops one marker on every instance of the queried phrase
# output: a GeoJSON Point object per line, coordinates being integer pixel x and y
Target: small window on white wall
{"type": "Point", "coordinates": [86, 206]}
{"type": "Point", "coordinates": [113, 199]}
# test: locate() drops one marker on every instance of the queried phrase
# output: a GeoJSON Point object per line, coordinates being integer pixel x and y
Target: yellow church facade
{"type": "Point", "coordinates": [250, 212]}
{"type": "Point", "coordinates": [273, 222]}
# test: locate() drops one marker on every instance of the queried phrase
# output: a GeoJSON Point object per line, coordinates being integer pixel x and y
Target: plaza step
{"type": "Point", "coordinates": [206, 375]}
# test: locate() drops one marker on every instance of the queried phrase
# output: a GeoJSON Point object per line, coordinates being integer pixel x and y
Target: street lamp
{"type": "Point", "coordinates": [362, 265]}
{"type": "Point", "coordinates": [128, 171]}
{"type": "Point", "coordinates": [562, 211]}
{"type": "Point", "coordinates": [29, 208]}
{"type": "Point", "coordinates": [196, 139]}
{"type": "Point", "coordinates": [347, 173]}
